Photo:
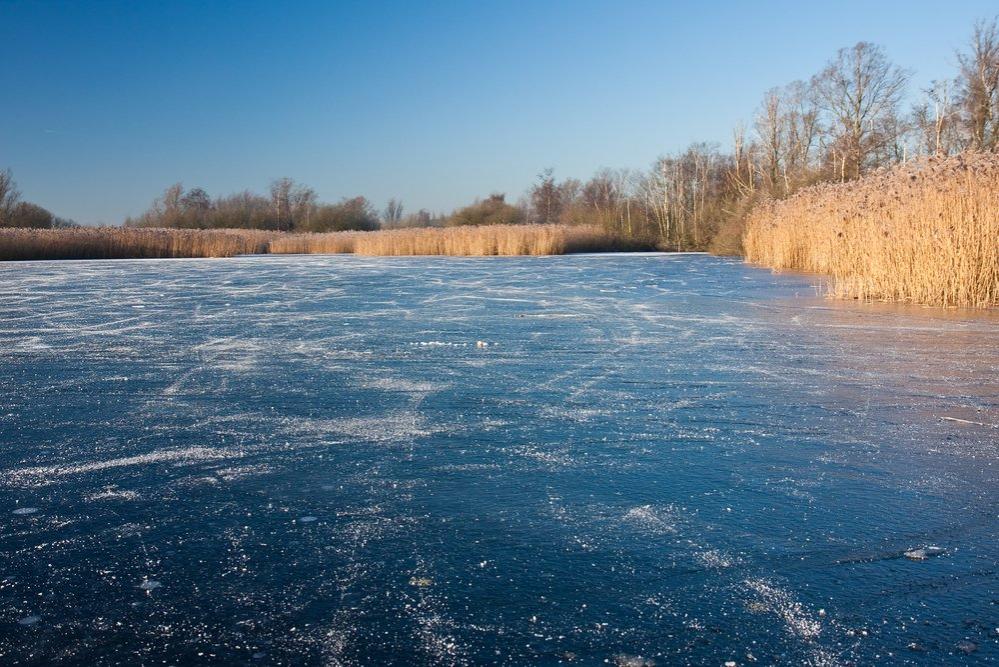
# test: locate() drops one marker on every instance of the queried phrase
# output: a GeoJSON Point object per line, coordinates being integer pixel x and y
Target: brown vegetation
{"type": "Point", "coordinates": [290, 207]}
{"type": "Point", "coordinates": [125, 243]}
{"type": "Point", "coordinates": [848, 121]}
{"type": "Point", "coordinates": [121, 243]}
{"type": "Point", "coordinates": [330, 243]}
{"type": "Point", "coordinates": [494, 240]}
{"type": "Point", "coordinates": [927, 232]}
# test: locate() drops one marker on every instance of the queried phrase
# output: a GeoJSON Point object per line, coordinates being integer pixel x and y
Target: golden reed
{"type": "Point", "coordinates": [926, 232]}
{"type": "Point", "coordinates": [462, 241]}
{"type": "Point", "coordinates": [128, 243]}
{"type": "Point", "coordinates": [122, 243]}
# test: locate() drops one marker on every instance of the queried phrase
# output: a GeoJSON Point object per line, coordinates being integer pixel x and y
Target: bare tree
{"type": "Point", "coordinates": [860, 90]}
{"type": "Point", "coordinates": [935, 121]}
{"type": "Point", "coordinates": [281, 202]}
{"type": "Point", "coordinates": [167, 209]}
{"type": "Point", "coordinates": [742, 174]}
{"type": "Point", "coordinates": [9, 196]}
{"type": "Point", "coordinates": [803, 128]}
{"type": "Point", "coordinates": [546, 199]}
{"type": "Point", "coordinates": [771, 132]}
{"type": "Point", "coordinates": [303, 202]}
{"type": "Point", "coordinates": [979, 87]}
{"type": "Point", "coordinates": [393, 213]}
{"type": "Point", "coordinates": [196, 201]}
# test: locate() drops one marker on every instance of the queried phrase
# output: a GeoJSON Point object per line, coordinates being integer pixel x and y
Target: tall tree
{"type": "Point", "coordinates": [935, 121]}
{"type": "Point", "coordinates": [979, 86]}
{"type": "Point", "coordinates": [860, 90]}
{"type": "Point", "coordinates": [9, 196]}
{"type": "Point", "coordinates": [281, 202]}
{"type": "Point", "coordinates": [393, 213]}
{"type": "Point", "coordinates": [546, 199]}
{"type": "Point", "coordinates": [303, 201]}
{"type": "Point", "coordinates": [771, 131]}
{"type": "Point", "coordinates": [196, 201]}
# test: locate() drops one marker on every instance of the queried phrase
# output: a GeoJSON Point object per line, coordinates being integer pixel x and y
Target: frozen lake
{"type": "Point", "coordinates": [652, 460]}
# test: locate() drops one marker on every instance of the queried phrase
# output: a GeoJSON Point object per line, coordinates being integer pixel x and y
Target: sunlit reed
{"type": "Point", "coordinates": [926, 232]}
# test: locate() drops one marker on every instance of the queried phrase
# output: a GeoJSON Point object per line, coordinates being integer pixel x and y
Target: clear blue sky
{"type": "Point", "coordinates": [106, 103]}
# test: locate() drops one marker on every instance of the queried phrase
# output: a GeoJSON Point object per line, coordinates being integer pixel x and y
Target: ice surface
{"type": "Point", "coordinates": [656, 459]}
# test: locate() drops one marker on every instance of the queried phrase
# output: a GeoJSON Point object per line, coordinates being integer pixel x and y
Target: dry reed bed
{"type": "Point", "coordinates": [128, 243]}
{"type": "Point", "coordinates": [122, 243]}
{"type": "Point", "coordinates": [926, 233]}
{"type": "Point", "coordinates": [460, 241]}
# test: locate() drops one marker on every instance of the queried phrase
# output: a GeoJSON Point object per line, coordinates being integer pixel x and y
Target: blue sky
{"type": "Point", "coordinates": [106, 103]}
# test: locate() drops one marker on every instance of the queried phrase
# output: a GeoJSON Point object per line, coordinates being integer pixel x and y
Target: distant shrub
{"type": "Point", "coordinates": [355, 214]}
{"type": "Point", "coordinates": [491, 211]}
{"type": "Point", "coordinates": [25, 214]}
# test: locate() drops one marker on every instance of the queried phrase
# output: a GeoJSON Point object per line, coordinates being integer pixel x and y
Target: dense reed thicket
{"type": "Point", "coordinates": [926, 232]}
{"type": "Point", "coordinates": [122, 243]}
{"type": "Point", "coordinates": [495, 240]}
{"type": "Point", "coordinates": [471, 241]}
{"type": "Point", "coordinates": [125, 243]}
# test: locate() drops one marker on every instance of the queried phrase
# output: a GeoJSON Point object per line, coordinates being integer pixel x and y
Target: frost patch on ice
{"type": "Point", "coordinates": [33, 343]}
{"type": "Point", "coordinates": [44, 474]}
{"type": "Point", "coordinates": [625, 660]}
{"type": "Point", "coordinates": [438, 343]}
{"type": "Point", "coordinates": [232, 354]}
{"type": "Point", "coordinates": [468, 467]}
{"type": "Point", "coordinates": [924, 553]}
{"type": "Point", "coordinates": [580, 415]}
{"type": "Point", "coordinates": [114, 493]}
{"type": "Point", "coordinates": [234, 473]}
{"type": "Point", "coordinates": [548, 457]}
{"type": "Point", "coordinates": [651, 519]}
{"type": "Point", "coordinates": [715, 559]}
{"type": "Point", "coordinates": [404, 385]}
{"type": "Point", "coordinates": [435, 628]}
{"type": "Point", "coordinates": [390, 428]}
{"type": "Point", "coordinates": [781, 603]}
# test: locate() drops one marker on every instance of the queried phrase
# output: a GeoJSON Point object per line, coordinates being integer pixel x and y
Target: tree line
{"type": "Point", "coordinates": [14, 212]}
{"type": "Point", "coordinates": [847, 120]}
{"type": "Point", "coordinates": [291, 206]}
